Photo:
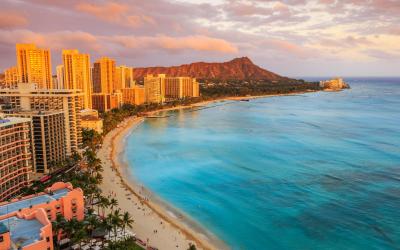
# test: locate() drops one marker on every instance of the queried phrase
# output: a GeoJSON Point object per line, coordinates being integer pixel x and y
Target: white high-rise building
{"type": "Point", "coordinates": [28, 98]}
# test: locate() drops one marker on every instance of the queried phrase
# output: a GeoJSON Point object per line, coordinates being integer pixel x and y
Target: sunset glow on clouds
{"type": "Point", "coordinates": [290, 37]}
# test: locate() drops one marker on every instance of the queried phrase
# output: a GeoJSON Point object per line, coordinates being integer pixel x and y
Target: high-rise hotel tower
{"type": "Point", "coordinates": [123, 77]}
{"type": "Point", "coordinates": [104, 76]}
{"type": "Point", "coordinates": [28, 98]}
{"type": "Point", "coordinates": [34, 65]}
{"type": "Point", "coordinates": [77, 74]}
{"type": "Point", "coordinates": [15, 155]}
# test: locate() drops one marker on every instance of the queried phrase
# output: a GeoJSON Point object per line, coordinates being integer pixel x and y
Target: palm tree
{"type": "Point", "coordinates": [127, 221]}
{"type": "Point", "coordinates": [105, 203]}
{"type": "Point", "coordinates": [80, 234]}
{"type": "Point", "coordinates": [92, 221]}
{"type": "Point", "coordinates": [69, 228]}
{"type": "Point", "coordinates": [113, 204]}
{"type": "Point", "coordinates": [108, 223]}
{"type": "Point", "coordinates": [116, 222]}
{"type": "Point", "coordinates": [58, 225]}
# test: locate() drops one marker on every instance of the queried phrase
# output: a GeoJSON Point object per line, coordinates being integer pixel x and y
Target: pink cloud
{"type": "Point", "coordinates": [115, 13]}
{"type": "Point", "coordinates": [286, 47]}
{"type": "Point", "coordinates": [56, 40]}
{"type": "Point", "coordinates": [109, 11]}
{"type": "Point", "coordinates": [197, 43]}
{"type": "Point", "coordinates": [12, 19]}
{"type": "Point", "coordinates": [109, 44]}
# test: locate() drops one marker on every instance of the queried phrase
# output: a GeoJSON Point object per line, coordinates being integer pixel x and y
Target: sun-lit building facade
{"type": "Point", "coordinates": [34, 65]}
{"type": "Point", "coordinates": [160, 88]}
{"type": "Point", "coordinates": [104, 76]}
{"type": "Point", "coordinates": [11, 77]}
{"type": "Point", "coordinates": [154, 88]}
{"type": "Point", "coordinates": [77, 74]}
{"type": "Point", "coordinates": [15, 155]}
{"type": "Point", "coordinates": [60, 77]}
{"type": "Point", "coordinates": [134, 96]}
{"type": "Point", "coordinates": [180, 87]}
{"type": "Point", "coordinates": [123, 77]}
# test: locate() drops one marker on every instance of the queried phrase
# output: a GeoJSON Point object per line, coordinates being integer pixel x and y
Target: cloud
{"type": "Point", "coordinates": [275, 32]}
{"type": "Point", "coordinates": [12, 19]}
{"type": "Point", "coordinates": [106, 44]}
{"type": "Point", "coordinates": [382, 55]}
{"type": "Point", "coordinates": [115, 13]}
{"type": "Point", "coordinates": [174, 44]}
{"type": "Point", "coordinates": [55, 40]}
{"type": "Point", "coordinates": [286, 47]}
{"type": "Point", "coordinates": [347, 42]}
{"type": "Point", "coordinates": [109, 11]}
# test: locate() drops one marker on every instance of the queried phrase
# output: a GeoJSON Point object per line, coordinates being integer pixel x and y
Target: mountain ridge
{"type": "Point", "coordinates": [241, 68]}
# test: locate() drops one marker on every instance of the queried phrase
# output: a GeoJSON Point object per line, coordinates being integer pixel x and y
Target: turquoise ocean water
{"type": "Point", "coordinates": [311, 171]}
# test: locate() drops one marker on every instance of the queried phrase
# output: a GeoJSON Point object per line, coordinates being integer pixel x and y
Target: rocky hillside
{"type": "Point", "coordinates": [237, 69]}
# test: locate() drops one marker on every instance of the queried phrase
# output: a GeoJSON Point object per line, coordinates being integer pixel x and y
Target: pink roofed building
{"type": "Point", "coordinates": [26, 222]}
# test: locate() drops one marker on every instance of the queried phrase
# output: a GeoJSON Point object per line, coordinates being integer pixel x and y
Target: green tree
{"type": "Point", "coordinates": [127, 221]}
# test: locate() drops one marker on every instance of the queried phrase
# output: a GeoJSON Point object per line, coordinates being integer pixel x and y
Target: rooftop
{"type": "Point", "coordinates": [12, 120]}
{"type": "Point", "coordinates": [17, 112]}
{"type": "Point", "coordinates": [22, 232]}
{"type": "Point", "coordinates": [15, 206]}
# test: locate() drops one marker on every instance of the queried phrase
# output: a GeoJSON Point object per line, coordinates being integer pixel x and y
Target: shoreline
{"type": "Point", "coordinates": [223, 99]}
{"type": "Point", "coordinates": [181, 230]}
{"type": "Point", "coordinates": [148, 215]}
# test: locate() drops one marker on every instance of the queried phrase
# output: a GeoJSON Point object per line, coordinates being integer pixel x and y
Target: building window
{"type": "Point", "coordinates": [48, 239]}
{"type": "Point", "coordinates": [1, 238]}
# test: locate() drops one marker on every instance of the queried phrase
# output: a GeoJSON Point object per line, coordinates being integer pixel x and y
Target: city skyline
{"type": "Point", "coordinates": [292, 38]}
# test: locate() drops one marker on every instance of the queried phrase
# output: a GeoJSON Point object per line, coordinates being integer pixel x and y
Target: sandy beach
{"type": "Point", "coordinates": [152, 222]}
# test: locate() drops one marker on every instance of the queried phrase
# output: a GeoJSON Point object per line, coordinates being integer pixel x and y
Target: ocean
{"type": "Point", "coordinates": [310, 171]}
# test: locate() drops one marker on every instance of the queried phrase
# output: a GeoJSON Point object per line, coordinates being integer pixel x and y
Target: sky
{"type": "Point", "coordinates": [289, 37]}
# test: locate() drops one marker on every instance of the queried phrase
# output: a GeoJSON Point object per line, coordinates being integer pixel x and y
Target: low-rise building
{"type": "Point", "coordinates": [28, 230]}
{"type": "Point", "coordinates": [92, 122]}
{"type": "Point", "coordinates": [333, 84]}
{"type": "Point", "coordinates": [26, 222]}
{"type": "Point", "coordinates": [59, 199]}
